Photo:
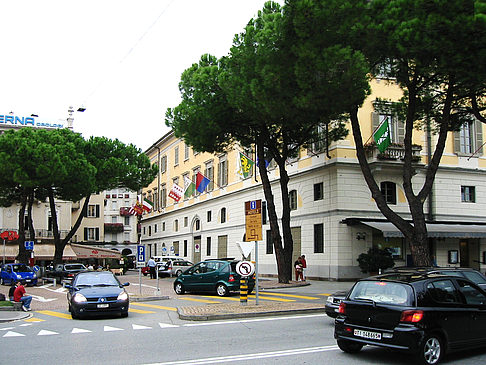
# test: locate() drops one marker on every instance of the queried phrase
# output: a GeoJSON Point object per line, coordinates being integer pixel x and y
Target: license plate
{"type": "Point", "coordinates": [368, 334]}
{"type": "Point", "coordinates": [103, 305]}
{"type": "Point", "coordinates": [28, 280]}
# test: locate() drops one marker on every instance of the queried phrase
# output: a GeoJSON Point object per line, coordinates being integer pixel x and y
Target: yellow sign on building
{"type": "Point", "coordinates": [253, 220]}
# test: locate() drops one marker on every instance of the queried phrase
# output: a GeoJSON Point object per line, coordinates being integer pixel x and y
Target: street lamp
{"type": "Point", "coordinates": [70, 118]}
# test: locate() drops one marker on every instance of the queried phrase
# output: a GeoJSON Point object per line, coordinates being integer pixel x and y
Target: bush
{"type": "Point", "coordinates": [374, 260]}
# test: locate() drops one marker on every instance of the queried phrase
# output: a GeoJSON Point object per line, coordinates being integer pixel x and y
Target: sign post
{"type": "Point", "coordinates": [140, 264]}
{"type": "Point", "coordinates": [253, 220]}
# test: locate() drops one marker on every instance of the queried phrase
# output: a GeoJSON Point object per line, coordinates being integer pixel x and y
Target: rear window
{"type": "Point", "coordinates": [75, 267]}
{"type": "Point", "coordinates": [383, 292]}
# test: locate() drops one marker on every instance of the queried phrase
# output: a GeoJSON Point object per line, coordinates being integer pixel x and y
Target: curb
{"type": "Point", "coordinates": [19, 316]}
{"type": "Point", "coordinates": [212, 317]}
{"type": "Point", "coordinates": [148, 299]}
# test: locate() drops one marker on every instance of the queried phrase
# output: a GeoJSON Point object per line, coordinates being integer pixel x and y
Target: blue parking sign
{"type": "Point", "coordinates": [141, 253]}
{"type": "Point", "coordinates": [29, 245]}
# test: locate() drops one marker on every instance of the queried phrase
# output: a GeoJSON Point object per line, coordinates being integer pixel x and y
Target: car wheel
{"type": "Point", "coordinates": [349, 346]}
{"type": "Point", "coordinates": [178, 272]}
{"type": "Point", "coordinates": [124, 314]}
{"type": "Point", "coordinates": [179, 288]}
{"type": "Point", "coordinates": [74, 314]}
{"type": "Point", "coordinates": [222, 290]}
{"type": "Point", "coordinates": [145, 274]}
{"type": "Point", "coordinates": [430, 351]}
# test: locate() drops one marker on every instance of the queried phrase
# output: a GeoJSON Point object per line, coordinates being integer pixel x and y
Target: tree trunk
{"type": "Point", "coordinates": [58, 244]}
{"type": "Point", "coordinates": [22, 256]}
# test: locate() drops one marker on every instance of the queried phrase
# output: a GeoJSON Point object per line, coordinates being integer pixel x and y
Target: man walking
{"type": "Point", "coordinates": [21, 296]}
{"type": "Point", "coordinates": [151, 264]}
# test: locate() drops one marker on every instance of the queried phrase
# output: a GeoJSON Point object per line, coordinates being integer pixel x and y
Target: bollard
{"type": "Point", "coordinates": [243, 291]}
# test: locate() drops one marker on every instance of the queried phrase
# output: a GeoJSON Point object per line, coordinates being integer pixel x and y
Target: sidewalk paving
{"type": "Point", "coordinates": [50, 298]}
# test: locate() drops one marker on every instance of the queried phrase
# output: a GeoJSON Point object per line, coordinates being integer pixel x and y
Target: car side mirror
{"type": "Point", "coordinates": [67, 286]}
{"type": "Point", "coordinates": [126, 284]}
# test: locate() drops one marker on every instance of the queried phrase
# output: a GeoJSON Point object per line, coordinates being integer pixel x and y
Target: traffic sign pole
{"type": "Point", "coordinates": [256, 273]}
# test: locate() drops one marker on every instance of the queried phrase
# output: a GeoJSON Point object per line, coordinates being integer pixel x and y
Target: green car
{"type": "Point", "coordinates": [218, 276]}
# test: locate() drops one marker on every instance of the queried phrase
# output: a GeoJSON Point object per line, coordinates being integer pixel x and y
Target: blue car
{"type": "Point", "coordinates": [13, 272]}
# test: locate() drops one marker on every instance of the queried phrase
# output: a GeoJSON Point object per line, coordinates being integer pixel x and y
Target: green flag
{"type": "Point", "coordinates": [382, 136]}
{"type": "Point", "coordinates": [189, 187]}
{"type": "Point", "coordinates": [246, 164]}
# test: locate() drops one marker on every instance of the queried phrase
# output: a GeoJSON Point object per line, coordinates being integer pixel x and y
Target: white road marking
{"type": "Point", "coordinates": [109, 329]}
{"type": "Point", "coordinates": [13, 334]}
{"type": "Point", "coordinates": [6, 328]}
{"type": "Point", "coordinates": [139, 327]}
{"type": "Point", "coordinates": [42, 299]}
{"type": "Point", "coordinates": [46, 333]}
{"type": "Point", "coordinates": [25, 325]}
{"type": "Point", "coordinates": [246, 357]}
{"type": "Point", "coordinates": [80, 330]}
{"type": "Point", "coordinates": [277, 318]}
{"type": "Point", "coordinates": [167, 325]}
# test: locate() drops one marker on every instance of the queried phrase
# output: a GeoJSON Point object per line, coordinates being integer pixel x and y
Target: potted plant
{"type": "Point", "coordinates": [374, 260]}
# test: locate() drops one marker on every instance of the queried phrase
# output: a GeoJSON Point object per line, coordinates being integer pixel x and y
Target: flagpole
{"type": "Point", "coordinates": [372, 133]}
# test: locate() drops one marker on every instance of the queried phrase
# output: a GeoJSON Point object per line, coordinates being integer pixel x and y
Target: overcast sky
{"type": "Point", "coordinates": [120, 59]}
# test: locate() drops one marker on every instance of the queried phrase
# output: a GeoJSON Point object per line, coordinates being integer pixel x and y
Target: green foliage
{"type": "Point", "coordinates": [374, 260]}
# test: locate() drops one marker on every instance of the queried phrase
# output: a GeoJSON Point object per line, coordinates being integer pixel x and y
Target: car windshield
{"type": "Point", "coordinates": [75, 267]}
{"type": "Point", "coordinates": [97, 279]}
{"type": "Point", "coordinates": [21, 268]}
{"type": "Point", "coordinates": [382, 292]}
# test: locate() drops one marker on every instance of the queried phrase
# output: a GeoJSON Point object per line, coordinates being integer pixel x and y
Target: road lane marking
{"type": "Point", "coordinates": [274, 299]}
{"type": "Point", "coordinates": [167, 325]}
{"type": "Point", "coordinates": [200, 300]}
{"type": "Point", "coordinates": [324, 294]}
{"type": "Point", "coordinates": [140, 327]}
{"type": "Point", "coordinates": [33, 319]}
{"type": "Point", "coordinates": [110, 329]}
{"type": "Point", "coordinates": [223, 298]}
{"type": "Point", "coordinates": [13, 334]}
{"type": "Point", "coordinates": [289, 295]}
{"type": "Point", "coordinates": [254, 356]}
{"type": "Point", "coordinates": [139, 311]}
{"type": "Point", "coordinates": [55, 314]}
{"type": "Point", "coordinates": [46, 333]}
{"type": "Point", "coordinates": [265, 319]}
{"type": "Point", "coordinates": [80, 330]}
{"type": "Point", "coordinates": [154, 306]}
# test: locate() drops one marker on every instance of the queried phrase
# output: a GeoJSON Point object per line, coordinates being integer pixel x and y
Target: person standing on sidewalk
{"type": "Point", "coordinates": [151, 264]}
{"type": "Point", "coordinates": [21, 296]}
{"type": "Point", "coordinates": [303, 263]}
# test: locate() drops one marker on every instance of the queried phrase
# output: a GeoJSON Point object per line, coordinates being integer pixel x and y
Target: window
{"type": "Point", "coordinates": [163, 226]}
{"type": "Point", "coordinates": [185, 248]}
{"type": "Point", "coordinates": [114, 205]}
{"type": "Point", "coordinates": [223, 215]}
{"type": "Point", "coordinates": [91, 234]}
{"type": "Point", "coordinates": [176, 156]}
{"type": "Point", "coordinates": [318, 191]}
{"type": "Point", "coordinates": [223, 171]}
{"type": "Point", "coordinates": [208, 246]}
{"type": "Point", "coordinates": [155, 228]}
{"type": "Point", "coordinates": [209, 216]}
{"type": "Point", "coordinates": [468, 194]}
{"type": "Point", "coordinates": [387, 111]}
{"type": "Point", "coordinates": [471, 294]}
{"type": "Point", "coordinates": [469, 139]}
{"type": "Point", "coordinates": [318, 238]}
{"type": "Point", "coordinates": [93, 211]}
{"type": "Point", "coordinates": [156, 199]}
{"type": "Point", "coordinates": [185, 221]}
{"type": "Point", "coordinates": [209, 173]}
{"type": "Point", "coordinates": [466, 138]}
{"type": "Point", "coordinates": [149, 230]}
{"type": "Point", "coordinates": [186, 152]}
{"type": "Point", "coordinates": [318, 143]}
{"type": "Point", "coordinates": [264, 212]}
{"type": "Point", "coordinates": [163, 196]}
{"type": "Point", "coordinates": [176, 225]}
{"type": "Point", "coordinates": [389, 191]}
{"type": "Point", "coordinates": [197, 225]}
{"type": "Point", "coordinates": [163, 164]}
{"type": "Point", "coordinates": [269, 243]}
{"type": "Point", "coordinates": [443, 291]}
{"type": "Point", "coordinates": [293, 199]}
{"type": "Point", "coordinates": [113, 219]}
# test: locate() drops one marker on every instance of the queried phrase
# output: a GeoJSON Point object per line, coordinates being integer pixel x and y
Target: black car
{"type": "Point", "coordinates": [425, 314]}
{"type": "Point", "coordinates": [333, 301]}
{"type": "Point", "coordinates": [95, 293]}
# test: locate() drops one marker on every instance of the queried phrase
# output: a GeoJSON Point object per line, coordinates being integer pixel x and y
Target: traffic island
{"type": "Point", "coordinates": [233, 310]}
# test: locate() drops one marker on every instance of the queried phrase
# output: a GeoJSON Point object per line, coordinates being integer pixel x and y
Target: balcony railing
{"type": "Point", "coordinates": [394, 152]}
{"type": "Point", "coordinates": [113, 227]}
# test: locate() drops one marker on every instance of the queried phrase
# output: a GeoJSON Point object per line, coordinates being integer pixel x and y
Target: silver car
{"type": "Point", "coordinates": [173, 267]}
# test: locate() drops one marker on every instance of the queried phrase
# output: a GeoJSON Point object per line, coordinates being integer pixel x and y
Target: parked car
{"type": "Point", "coordinates": [332, 303]}
{"type": "Point", "coordinates": [66, 272]}
{"type": "Point", "coordinates": [13, 272]}
{"type": "Point", "coordinates": [174, 267]}
{"type": "Point", "coordinates": [217, 276]}
{"type": "Point", "coordinates": [425, 314]}
{"type": "Point", "coordinates": [161, 262]}
{"type": "Point", "coordinates": [97, 293]}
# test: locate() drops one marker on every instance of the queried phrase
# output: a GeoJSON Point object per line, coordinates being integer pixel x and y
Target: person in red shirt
{"type": "Point", "coordinates": [21, 296]}
{"type": "Point", "coordinates": [303, 263]}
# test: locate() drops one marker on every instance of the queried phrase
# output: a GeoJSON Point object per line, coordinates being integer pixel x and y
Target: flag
{"type": "Point", "coordinates": [201, 182]}
{"type": "Point", "coordinates": [246, 164]}
{"type": "Point", "coordinates": [189, 187]}
{"type": "Point", "coordinates": [147, 205]}
{"type": "Point", "coordinates": [176, 193]}
{"type": "Point", "coordinates": [382, 136]}
{"type": "Point", "coordinates": [267, 162]}
{"type": "Point", "coordinates": [136, 209]}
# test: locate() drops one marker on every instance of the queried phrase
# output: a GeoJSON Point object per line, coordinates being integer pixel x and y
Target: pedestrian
{"type": "Point", "coordinates": [12, 290]}
{"type": "Point", "coordinates": [151, 264]}
{"type": "Point", "coordinates": [21, 296]}
{"type": "Point", "coordinates": [304, 267]}
{"type": "Point", "coordinates": [298, 269]}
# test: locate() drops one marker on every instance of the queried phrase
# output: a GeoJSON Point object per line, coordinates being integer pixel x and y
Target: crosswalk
{"type": "Point", "coordinates": [147, 308]}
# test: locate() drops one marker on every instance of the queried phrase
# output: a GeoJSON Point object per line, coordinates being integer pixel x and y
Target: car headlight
{"type": "Point", "coordinates": [330, 299]}
{"type": "Point", "coordinates": [19, 277]}
{"type": "Point", "coordinates": [79, 298]}
{"type": "Point", "coordinates": [123, 296]}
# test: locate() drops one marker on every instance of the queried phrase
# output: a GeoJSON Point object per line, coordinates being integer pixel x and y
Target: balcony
{"type": "Point", "coordinates": [113, 227]}
{"type": "Point", "coordinates": [395, 152]}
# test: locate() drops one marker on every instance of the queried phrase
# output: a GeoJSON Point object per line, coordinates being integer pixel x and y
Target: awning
{"type": "Point", "coordinates": [42, 251]}
{"type": "Point", "coordinates": [445, 230]}
{"type": "Point", "coordinates": [88, 252]}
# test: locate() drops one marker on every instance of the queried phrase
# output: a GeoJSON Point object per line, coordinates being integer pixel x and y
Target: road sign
{"type": "Point", "coordinates": [140, 253]}
{"type": "Point", "coordinates": [164, 250]}
{"type": "Point", "coordinates": [245, 248]}
{"type": "Point", "coordinates": [140, 264]}
{"type": "Point", "coordinates": [253, 220]}
{"type": "Point", "coordinates": [245, 268]}
{"type": "Point", "coordinates": [29, 245]}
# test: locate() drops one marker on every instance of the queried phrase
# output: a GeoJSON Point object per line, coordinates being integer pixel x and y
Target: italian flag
{"type": "Point", "coordinates": [147, 205]}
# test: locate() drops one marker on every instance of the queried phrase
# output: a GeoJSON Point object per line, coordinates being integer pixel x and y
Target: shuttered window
{"type": "Point", "coordinates": [469, 139]}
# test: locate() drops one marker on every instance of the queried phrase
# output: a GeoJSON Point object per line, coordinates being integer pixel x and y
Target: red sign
{"type": "Point", "coordinates": [94, 252]}
{"type": "Point", "coordinates": [9, 235]}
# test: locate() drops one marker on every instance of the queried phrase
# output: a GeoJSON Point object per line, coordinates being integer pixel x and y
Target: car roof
{"type": "Point", "coordinates": [407, 277]}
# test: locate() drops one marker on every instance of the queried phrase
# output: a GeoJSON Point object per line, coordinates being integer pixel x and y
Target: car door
{"type": "Point", "coordinates": [210, 276]}
{"type": "Point", "coordinates": [192, 278]}
{"type": "Point", "coordinates": [475, 301]}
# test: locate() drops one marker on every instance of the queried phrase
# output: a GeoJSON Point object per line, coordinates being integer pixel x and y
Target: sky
{"type": "Point", "coordinates": [120, 59]}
